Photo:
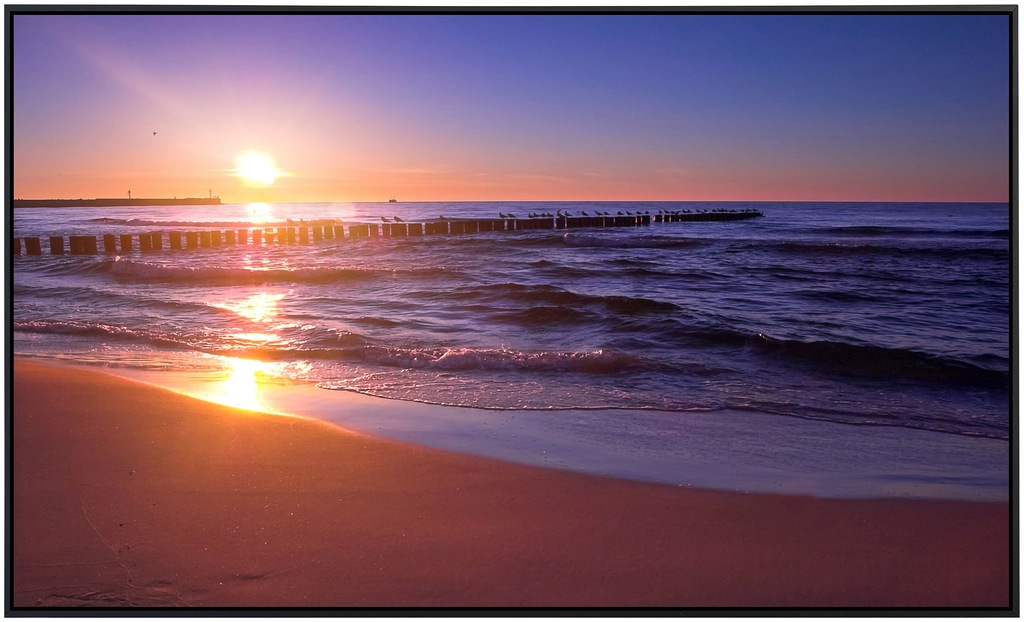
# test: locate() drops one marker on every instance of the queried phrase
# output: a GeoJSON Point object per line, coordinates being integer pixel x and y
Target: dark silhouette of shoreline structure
{"type": "Point", "coordinates": [323, 230]}
{"type": "Point", "coordinates": [113, 202]}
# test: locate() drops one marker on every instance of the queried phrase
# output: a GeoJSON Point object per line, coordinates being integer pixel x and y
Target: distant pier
{"type": "Point", "coordinates": [319, 231]}
{"type": "Point", "coordinates": [112, 202]}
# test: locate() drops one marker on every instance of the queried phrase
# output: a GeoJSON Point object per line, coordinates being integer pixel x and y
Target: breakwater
{"type": "Point", "coordinates": [113, 202]}
{"type": "Point", "coordinates": [323, 230]}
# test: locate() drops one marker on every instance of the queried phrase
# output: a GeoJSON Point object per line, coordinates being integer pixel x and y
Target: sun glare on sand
{"type": "Point", "coordinates": [241, 388]}
{"type": "Point", "coordinates": [257, 168]}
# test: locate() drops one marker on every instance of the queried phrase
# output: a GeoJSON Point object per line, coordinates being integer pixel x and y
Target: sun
{"type": "Point", "coordinates": [257, 168]}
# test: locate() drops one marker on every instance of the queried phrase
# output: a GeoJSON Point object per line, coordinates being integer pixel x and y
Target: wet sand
{"type": "Point", "coordinates": [129, 495]}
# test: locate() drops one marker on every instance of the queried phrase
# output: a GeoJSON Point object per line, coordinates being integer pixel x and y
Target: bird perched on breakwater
{"type": "Point", "coordinates": [384, 219]}
{"type": "Point", "coordinates": [502, 215]}
{"type": "Point", "coordinates": [397, 219]}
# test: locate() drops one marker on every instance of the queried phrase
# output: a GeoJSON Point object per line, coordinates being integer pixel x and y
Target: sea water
{"type": "Point", "coordinates": [838, 348]}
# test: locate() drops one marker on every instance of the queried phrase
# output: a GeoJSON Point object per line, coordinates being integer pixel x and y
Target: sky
{"type": "Point", "coordinates": [817, 107]}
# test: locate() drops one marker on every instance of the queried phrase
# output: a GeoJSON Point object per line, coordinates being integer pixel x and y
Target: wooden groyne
{"type": "Point", "coordinates": [320, 231]}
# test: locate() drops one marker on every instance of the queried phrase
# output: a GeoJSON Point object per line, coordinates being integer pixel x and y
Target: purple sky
{"type": "Point", "coordinates": [515, 107]}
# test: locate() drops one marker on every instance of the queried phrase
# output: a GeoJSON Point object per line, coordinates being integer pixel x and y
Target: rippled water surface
{"type": "Point", "coordinates": [870, 314]}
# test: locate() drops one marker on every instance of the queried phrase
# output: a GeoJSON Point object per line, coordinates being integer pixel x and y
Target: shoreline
{"type": "Point", "coordinates": [722, 450]}
{"type": "Point", "coordinates": [138, 496]}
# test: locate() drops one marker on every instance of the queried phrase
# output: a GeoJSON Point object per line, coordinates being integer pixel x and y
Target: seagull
{"type": "Point", "coordinates": [502, 215]}
{"type": "Point", "coordinates": [397, 219]}
{"type": "Point", "coordinates": [443, 217]}
{"type": "Point", "coordinates": [384, 219]}
{"type": "Point", "coordinates": [584, 213]}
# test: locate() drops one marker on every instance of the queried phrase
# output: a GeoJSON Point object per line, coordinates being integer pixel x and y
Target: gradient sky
{"type": "Point", "coordinates": [515, 107]}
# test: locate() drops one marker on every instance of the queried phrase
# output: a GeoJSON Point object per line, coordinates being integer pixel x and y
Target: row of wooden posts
{"type": "Point", "coordinates": [178, 240]}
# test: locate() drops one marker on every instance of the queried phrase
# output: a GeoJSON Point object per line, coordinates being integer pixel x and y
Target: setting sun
{"type": "Point", "coordinates": [256, 167]}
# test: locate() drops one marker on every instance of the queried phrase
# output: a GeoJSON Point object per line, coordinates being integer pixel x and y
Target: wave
{"type": "Point", "coordinates": [541, 316]}
{"type": "Point", "coordinates": [846, 249]}
{"type": "Point", "coordinates": [551, 296]}
{"type": "Point", "coordinates": [836, 296]}
{"type": "Point", "coordinates": [881, 231]}
{"type": "Point", "coordinates": [330, 345]}
{"type": "Point", "coordinates": [877, 362]}
{"type": "Point", "coordinates": [587, 240]}
{"type": "Point", "coordinates": [602, 361]}
{"type": "Point", "coordinates": [129, 269]}
{"type": "Point", "coordinates": [828, 357]}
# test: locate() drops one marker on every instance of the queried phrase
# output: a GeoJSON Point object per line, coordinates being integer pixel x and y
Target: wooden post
{"type": "Point", "coordinates": [415, 228]}
{"type": "Point", "coordinates": [145, 242]}
{"type": "Point", "coordinates": [82, 244]}
{"type": "Point", "coordinates": [56, 245]}
{"type": "Point", "coordinates": [318, 234]}
{"type": "Point", "coordinates": [204, 239]}
{"type": "Point", "coordinates": [157, 240]}
{"type": "Point", "coordinates": [16, 246]}
{"type": "Point", "coordinates": [175, 240]}
{"type": "Point", "coordinates": [339, 232]}
{"type": "Point", "coordinates": [257, 237]}
{"type": "Point", "coordinates": [229, 237]}
{"type": "Point", "coordinates": [373, 231]}
{"type": "Point", "coordinates": [303, 235]}
{"type": "Point", "coordinates": [32, 246]}
{"type": "Point", "coordinates": [243, 236]}
{"type": "Point", "coordinates": [214, 238]}
{"type": "Point", "coordinates": [191, 239]}
{"type": "Point", "coordinates": [126, 243]}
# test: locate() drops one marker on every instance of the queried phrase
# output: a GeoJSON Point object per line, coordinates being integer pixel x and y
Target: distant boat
{"type": "Point", "coordinates": [392, 200]}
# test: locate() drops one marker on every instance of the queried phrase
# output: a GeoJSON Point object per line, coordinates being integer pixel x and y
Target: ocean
{"type": "Point", "coordinates": [865, 347]}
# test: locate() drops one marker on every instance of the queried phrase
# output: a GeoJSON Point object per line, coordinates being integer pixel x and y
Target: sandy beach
{"type": "Point", "coordinates": [129, 495]}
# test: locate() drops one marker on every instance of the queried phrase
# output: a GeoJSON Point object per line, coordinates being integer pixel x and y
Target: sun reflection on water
{"type": "Point", "coordinates": [260, 307]}
{"type": "Point", "coordinates": [260, 213]}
